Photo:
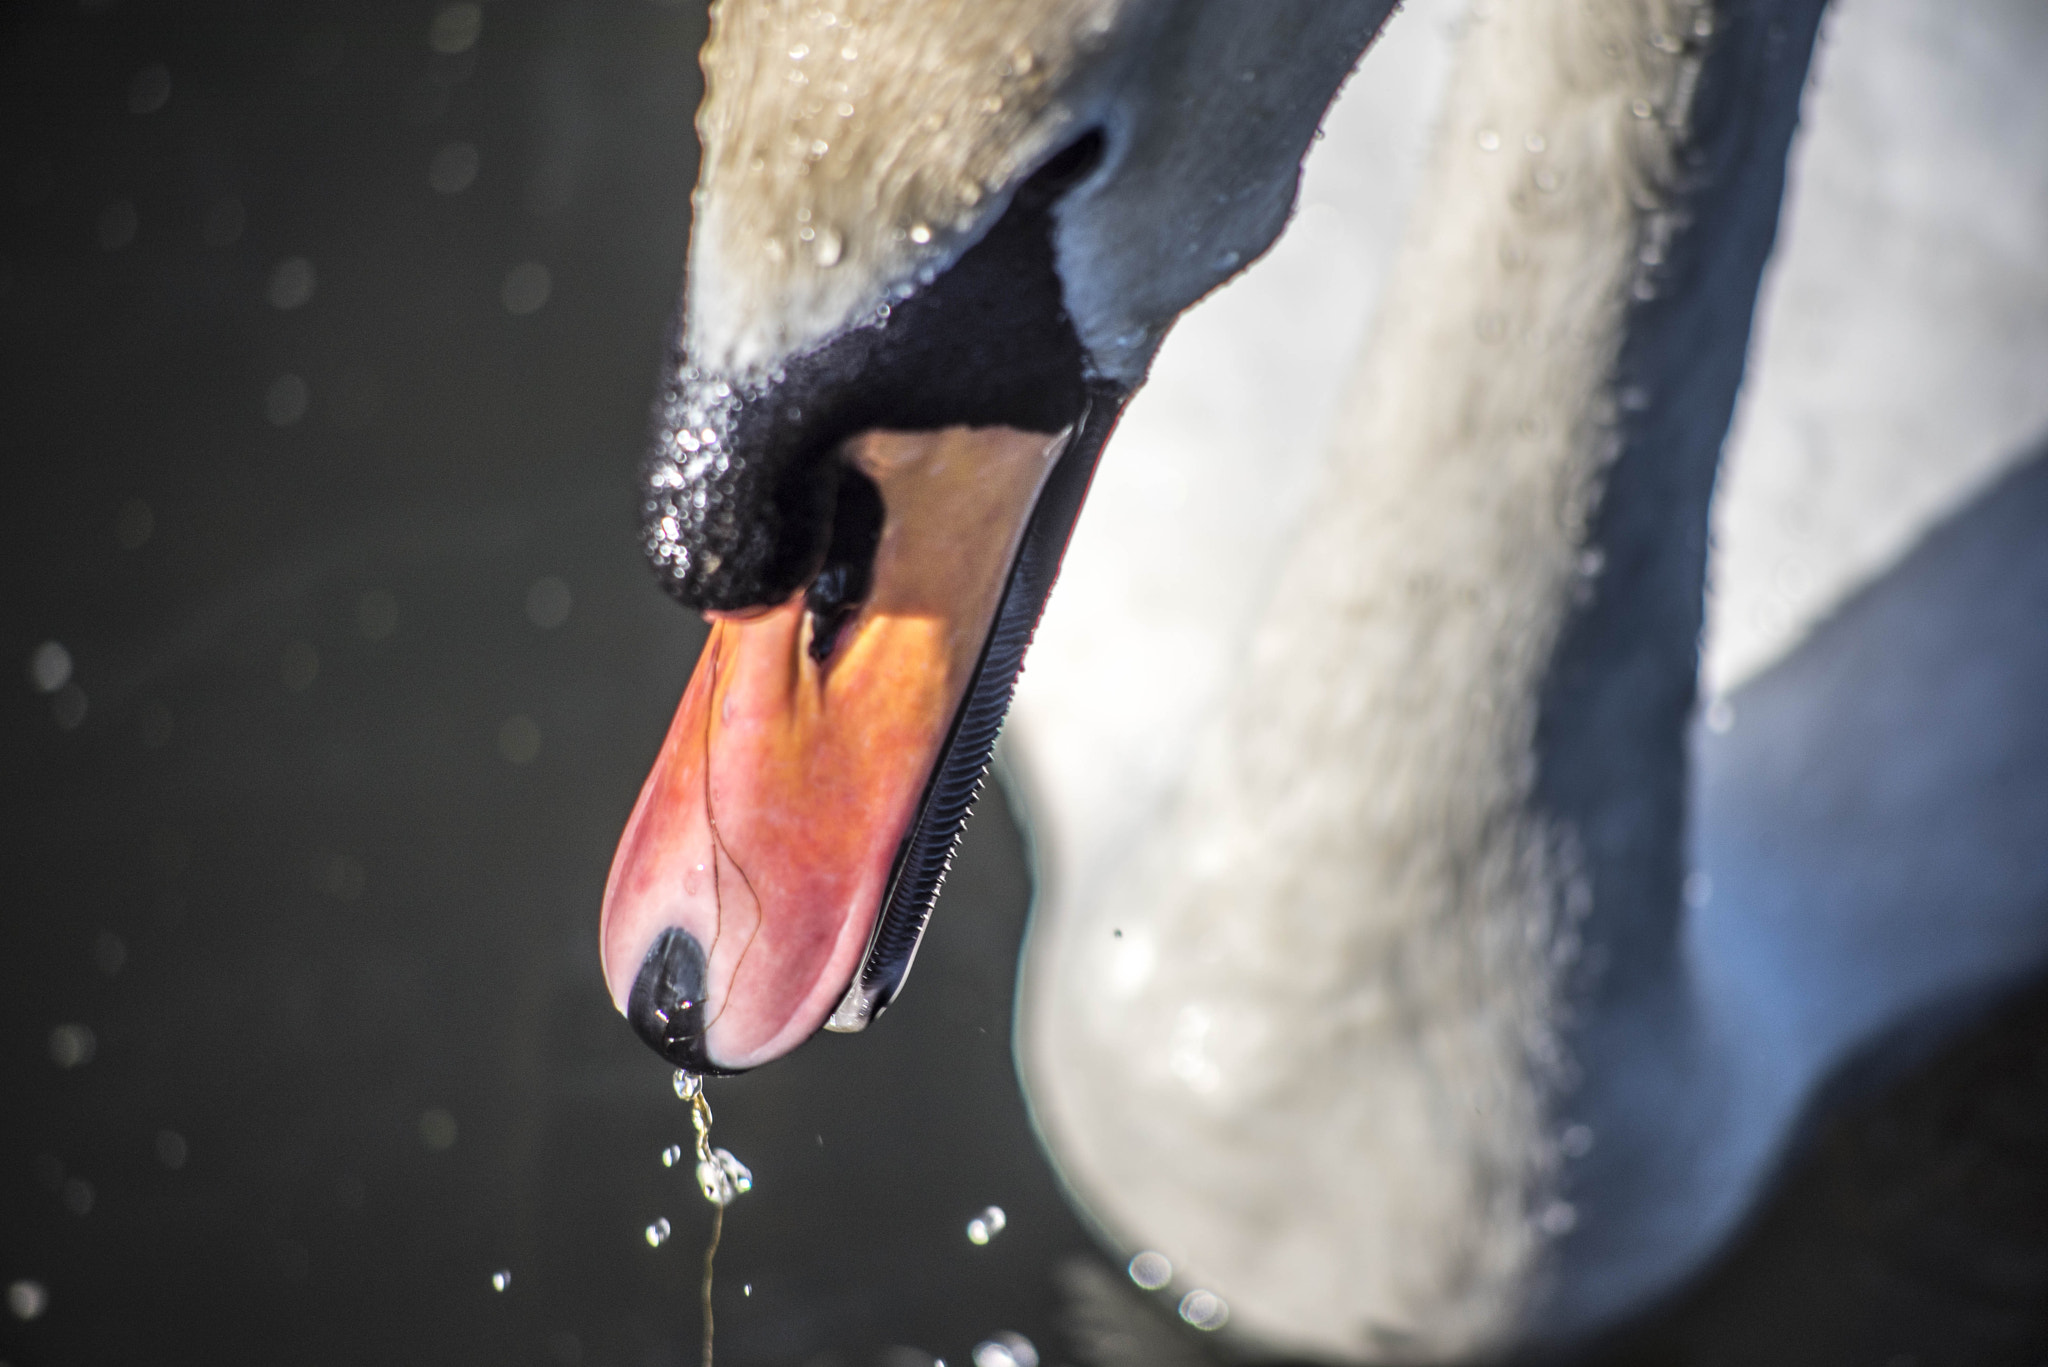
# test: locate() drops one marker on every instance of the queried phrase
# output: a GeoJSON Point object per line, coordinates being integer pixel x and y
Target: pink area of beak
{"type": "Point", "coordinates": [769, 827]}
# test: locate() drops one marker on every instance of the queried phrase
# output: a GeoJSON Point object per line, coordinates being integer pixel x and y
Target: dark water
{"type": "Point", "coordinates": [364, 674]}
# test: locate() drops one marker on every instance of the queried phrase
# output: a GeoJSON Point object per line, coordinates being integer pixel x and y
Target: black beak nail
{"type": "Point", "coordinates": [667, 1003]}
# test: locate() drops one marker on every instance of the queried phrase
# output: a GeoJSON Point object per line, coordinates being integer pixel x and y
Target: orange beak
{"type": "Point", "coordinates": [749, 882]}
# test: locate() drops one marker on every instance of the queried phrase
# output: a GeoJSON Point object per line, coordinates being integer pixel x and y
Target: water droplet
{"type": "Point", "coordinates": [68, 707]}
{"type": "Point", "coordinates": [986, 1225]}
{"type": "Point", "coordinates": [798, 52]}
{"type": "Point", "coordinates": [519, 740]}
{"type": "Point", "coordinates": [27, 1299]}
{"type": "Point", "coordinates": [1558, 1218]}
{"type": "Point", "coordinates": [1005, 1349]}
{"type": "Point", "coordinates": [746, 1288]}
{"type": "Point", "coordinates": [1205, 1310]}
{"type": "Point", "coordinates": [920, 233]}
{"type": "Point", "coordinates": [73, 1045]}
{"type": "Point", "coordinates": [827, 249]}
{"type": "Point", "coordinates": [1151, 1270]}
{"type": "Point", "coordinates": [501, 1279]}
{"type": "Point", "coordinates": [688, 1084]}
{"type": "Point", "coordinates": [454, 168]}
{"type": "Point", "coordinates": [671, 1155]}
{"type": "Point", "coordinates": [150, 90]}
{"type": "Point", "coordinates": [527, 287]}
{"type": "Point", "coordinates": [657, 1233]}
{"type": "Point", "coordinates": [548, 602]}
{"type": "Point", "coordinates": [291, 283]}
{"type": "Point", "coordinates": [455, 28]}
{"type": "Point", "coordinates": [437, 1130]}
{"type": "Point", "coordinates": [1489, 141]}
{"type": "Point", "coordinates": [110, 952]}
{"type": "Point", "coordinates": [1641, 109]}
{"type": "Point", "coordinates": [723, 1178]}
{"type": "Point", "coordinates": [284, 403]}
{"type": "Point", "coordinates": [49, 667]}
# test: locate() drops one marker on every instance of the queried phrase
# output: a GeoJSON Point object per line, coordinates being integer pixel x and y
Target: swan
{"type": "Point", "coordinates": [1412, 1054]}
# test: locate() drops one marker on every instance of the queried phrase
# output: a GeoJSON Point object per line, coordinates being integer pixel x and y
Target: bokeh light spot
{"type": "Point", "coordinates": [454, 168]}
{"type": "Point", "coordinates": [291, 283]}
{"type": "Point", "coordinates": [284, 403]}
{"type": "Point", "coordinates": [527, 287]}
{"type": "Point", "coordinates": [150, 90]}
{"type": "Point", "coordinates": [548, 602]}
{"type": "Point", "coordinates": [519, 740]}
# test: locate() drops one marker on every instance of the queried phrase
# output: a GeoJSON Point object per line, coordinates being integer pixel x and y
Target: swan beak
{"type": "Point", "coordinates": [748, 883]}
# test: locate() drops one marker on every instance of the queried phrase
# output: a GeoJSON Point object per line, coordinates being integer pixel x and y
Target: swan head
{"type": "Point", "coordinates": [935, 247]}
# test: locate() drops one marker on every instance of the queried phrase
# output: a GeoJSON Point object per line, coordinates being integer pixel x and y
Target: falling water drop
{"type": "Point", "coordinates": [657, 1233]}
{"type": "Point", "coordinates": [1005, 1349]}
{"type": "Point", "coordinates": [722, 1178]}
{"type": "Point", "coordinates": [27, 1299]}
{"type": "Point", "coordinates": [1151, 1270]}
{"type": "Point", "coordinates": [986, 1225]}
{"type": "Point", "coordinates": [1205, 1310]}
{"type": "Point", "coordinates": [671, 1154]}
{"type": "Point", "coordinates": [501, 1279]}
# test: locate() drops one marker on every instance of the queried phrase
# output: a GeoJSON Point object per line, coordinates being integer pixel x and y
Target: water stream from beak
{"type": "Point", "coordinates": [721, 1177]}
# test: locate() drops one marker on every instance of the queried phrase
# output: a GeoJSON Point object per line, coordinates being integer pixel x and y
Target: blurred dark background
{"type": "Point", "coordinates": [329, 330]}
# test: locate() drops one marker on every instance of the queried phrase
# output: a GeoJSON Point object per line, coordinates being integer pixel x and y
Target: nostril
{"type": "Point", "coordinates": [1066, 168]}
{"type": "Point", "coordinates": [848, 573]}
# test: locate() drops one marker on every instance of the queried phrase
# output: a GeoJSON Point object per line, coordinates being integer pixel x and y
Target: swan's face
{"type": "Point", "coordinates": [936, 245]}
